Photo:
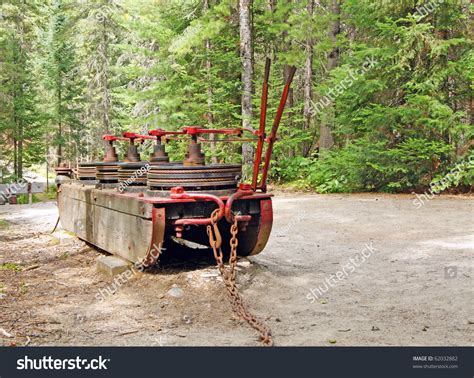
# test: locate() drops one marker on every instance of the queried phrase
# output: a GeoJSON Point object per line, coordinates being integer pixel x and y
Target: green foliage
{"type": "Point", "coordinates": [10, 266]}
{"type": "Point", "coordinates": [22, 199]}
{"type": "Point", "coordinates": [72, 70]}
{"type": "Point", "coordinates": [4, 224]}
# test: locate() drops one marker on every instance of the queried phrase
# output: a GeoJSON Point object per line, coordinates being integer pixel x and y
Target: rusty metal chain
{"type": "Point", "coordinates": [229, 277]}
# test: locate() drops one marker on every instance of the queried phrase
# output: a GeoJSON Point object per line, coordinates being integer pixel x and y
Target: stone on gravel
{"type": "Point", "coordinates": [243, 263]}
{"type": "Point", "coordinates": [111, 265]}
{"type": "Point", "coordinates": [175, 292]}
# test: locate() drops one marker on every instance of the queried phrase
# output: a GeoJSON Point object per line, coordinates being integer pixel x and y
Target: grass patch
{"type": "Point", "coordinates": [10, 266]}
{"type": "Point", "coordinates": [22, 199]}
{"type": "Point", "coordinates": [63, 256]}
{"type": "Point", "coordinates": [23, 288]}
{"type": "Point", "coordinates": [47, 195]}
{"type": "Point", "coordinates": [4, 224]}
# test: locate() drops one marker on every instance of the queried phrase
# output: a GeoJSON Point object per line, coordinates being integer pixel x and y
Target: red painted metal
{"type": "Point", "coordinates": [265, 227]}
{"type": "Point", "coordinates": [195, 130]}
{"type": "Point", "coordinates": [276, 123]}
{"type": "Point", "coordinates": [160, 132]}
{"type": "Point", "coordinates": [261, 131]}
{"type": "Point", "coordinates": [112, 138]}
{"type": "Point", "coordinates": [228, 205]}
{"type": "Point", "coordinates": [158, 219]}
{"type": "Point", "coordinates": [227, 140]}
{"type": "Point", "coordinates": [178, 193]}
{"type": "Point", "coordinates": [132, 136]}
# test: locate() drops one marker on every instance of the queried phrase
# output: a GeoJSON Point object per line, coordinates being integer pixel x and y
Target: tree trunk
{"type": "Point", "coordinates": [271, 44]}
{"type": "Point", "coordinates": [286, 71]}
{"type": "Point", "coordinates": [308, 82]}
{"type": "Point", "coordinates": [20, 154]}
{"type": "Point", "coordinates": [326, 139]}
{"type": "Point", "coordinates": [60, 128]}
{"type": "Point", "coordinates": [105, 80]}
{"type": "Point", "coordinates": [210, 116]}
{"type": "Point", "coordinates": [247, 73]}
{"type": "Point", "coordinates": [289, 103]}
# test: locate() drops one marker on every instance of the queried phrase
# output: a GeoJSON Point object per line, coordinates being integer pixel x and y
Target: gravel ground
{"type": "Point", "coordinates": [338, 270]}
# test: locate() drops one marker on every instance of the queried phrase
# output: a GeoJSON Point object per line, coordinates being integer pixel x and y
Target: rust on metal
{"type": "Point", "coordinates": [265, 227]}
{"type": "Point", "coordinates": [261, 130]}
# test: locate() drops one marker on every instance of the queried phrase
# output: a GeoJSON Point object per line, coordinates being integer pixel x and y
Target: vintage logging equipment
{"type": "Point", "coordinates": [135, 209]}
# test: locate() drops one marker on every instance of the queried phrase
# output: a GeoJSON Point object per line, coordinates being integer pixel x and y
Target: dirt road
{"type": "Point", "coordinates": [387, 272]}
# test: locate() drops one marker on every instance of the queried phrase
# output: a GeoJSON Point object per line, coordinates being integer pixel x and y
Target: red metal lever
{"type": "Point", "coordinates": [261, 130]}
{"type": "Point", "coordinates": [179, 193]}
{"type": "Point", "coordinates": [131, 135]}
{"type": "Point", "coordinates": [160, 132]}
{"type": "Point", "coordinates": [276, 123]}
{"type": "Point", "coordinates": [195, 130]}
{"type": "Point", "coordinates": [112, 138]}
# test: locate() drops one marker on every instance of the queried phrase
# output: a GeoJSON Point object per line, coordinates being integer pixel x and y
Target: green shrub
{"type": "Point", "coordinates": [367, 166]}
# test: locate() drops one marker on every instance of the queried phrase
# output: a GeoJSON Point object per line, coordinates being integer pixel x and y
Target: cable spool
{"type": "Point", "coordinates": [214, 177]}
{"type": "Point", "coordinates": [107, 173]}
{"type": "Point", "coordinates": [87, 171]}
{"type": "Point", "coordinates": [132, 174]}
{"type": "Point", "coordinates": [63, 170]}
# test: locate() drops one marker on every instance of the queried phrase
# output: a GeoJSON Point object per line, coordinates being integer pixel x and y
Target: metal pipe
{"type": "Point", "coordinates": [230, 201]}
{"type": "Point", "coordinates": [261, 130]}
{"type": "Point", "coordinates": [179, 193]}
{"type": "Point", "coordinates": [276, 123]}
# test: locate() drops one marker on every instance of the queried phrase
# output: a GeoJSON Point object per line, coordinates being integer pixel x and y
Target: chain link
{"type": "Point", "coordinates": [229, 277]}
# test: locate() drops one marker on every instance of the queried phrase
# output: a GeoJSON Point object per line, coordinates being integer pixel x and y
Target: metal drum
{"type": "Point", "coordinates": [107, 173]}
{"type": "Point", "coordinates": [133, 174]}
{"type": "Point", "coordinates": [87, 171]}
{"type": "Point", "coordinates": [223, 178]}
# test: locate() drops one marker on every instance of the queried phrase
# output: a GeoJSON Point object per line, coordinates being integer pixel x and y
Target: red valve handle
{"type": "Point", "coordinates": [160, 132]}
{"type": "Point", "coordinates": [195, 130]}
{"type": "Point", "coordinates": [111, 138]}
{"type": "Point", "coordinates": [132, 135]}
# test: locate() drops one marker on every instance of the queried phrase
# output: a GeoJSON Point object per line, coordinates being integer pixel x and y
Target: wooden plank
{"type": "Point", "coordinates": [125, 235]}
{"type": "Point", "coordinates": [107, 198]}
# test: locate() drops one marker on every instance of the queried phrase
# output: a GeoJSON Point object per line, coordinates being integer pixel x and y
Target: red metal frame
{"type": "Point", "coordinates": [160, 133]}
{"type": "Point", "coordinates": [179, 193]}
{"type": "Point", "coordinates": [195, 132]}
{"type": "Point", "coordinates": [158, 220]}
{"type": "Point", "coordinates": [276, 124]}
{"type": "Point", "coordinates": [112, 138]}
{"type": "Point", "coordinates": [261, 130]}
{"type": "Point", "coordinates": [132, 136]}
{"type": "Point", "coordinates": [244, 190]}
{"type": "Point", "coordinates": [265, 227]}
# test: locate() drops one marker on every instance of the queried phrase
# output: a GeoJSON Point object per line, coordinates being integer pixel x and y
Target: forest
{"type": "Point", "coordinates": [382, 99]}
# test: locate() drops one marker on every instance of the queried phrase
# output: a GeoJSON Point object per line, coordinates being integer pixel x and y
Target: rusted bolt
{"type": "Point", "coordinates": [243, 186]}
{"type": "Point", "coordinates": [177, 190]}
